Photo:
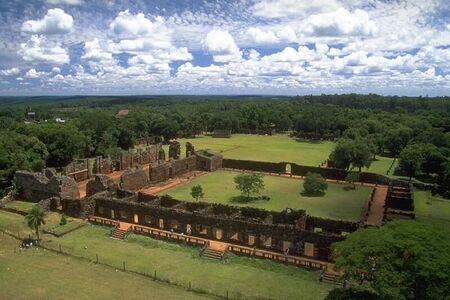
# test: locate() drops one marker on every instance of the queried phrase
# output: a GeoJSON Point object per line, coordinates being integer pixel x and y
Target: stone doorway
{"type": "Point", "coordinates": [136, 218]}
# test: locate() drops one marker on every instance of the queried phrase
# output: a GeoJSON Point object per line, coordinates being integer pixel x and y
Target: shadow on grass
{"type": "Point", "coordinates": [244, 199]}
{"type": "Point", "coordinates": [300, 140]}
{"type": "Point", "coordinates": [319, 194]}
{"type": "Point", "coordinates": [349, 188]}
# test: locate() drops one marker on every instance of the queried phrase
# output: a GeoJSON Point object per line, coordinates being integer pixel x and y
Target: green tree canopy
{"type": "Point", "coordinates": [35, 219]}
{"type": "Point", "coordinates": [20, 152]}
{"type": "Point", "coordinates": [410, 160]}
{"type": "Point", "coordinates": [197, 192]}
{"type": "Point", "coordinates": [401, 260]}
{"type": "Point", "coordinates": [249, 183]}
{"type": "Point", "coordinates": [314, 184]}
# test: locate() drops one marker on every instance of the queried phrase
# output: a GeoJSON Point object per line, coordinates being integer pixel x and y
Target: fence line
{"type": "Point", "coordinates": [155, 276]}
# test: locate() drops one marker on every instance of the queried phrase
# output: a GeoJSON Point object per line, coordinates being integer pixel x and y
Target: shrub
{"type": "Point", "coordinates": [197, 192]}
{"type": "Point", "coordinates": [63, 220]}
{"type": "Point", "coordinates": [314, 184]}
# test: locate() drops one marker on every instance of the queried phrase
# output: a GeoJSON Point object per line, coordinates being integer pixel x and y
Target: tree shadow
{"type": "Point", "coordinates": [349, 188]}
{"type": "Point", "coordinates": [305, 194]}
{"type": "Point", "coordinates": [301, 140]}
{"type": "Point", "coordinates": [244, 199]}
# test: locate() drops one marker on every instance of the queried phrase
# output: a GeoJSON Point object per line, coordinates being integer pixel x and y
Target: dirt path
{"type": "Point", "coordinates": [376, 211]}
{"type": "Point", "coordinates": [172, 182]}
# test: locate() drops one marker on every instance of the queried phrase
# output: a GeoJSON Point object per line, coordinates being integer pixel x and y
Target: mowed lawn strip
{"type": "Point", "coordinates": [339, 202]}
{"type": "Point", "coordinates": [275, 148]}
{"type": "Point", "coordinates": [243, 277]}
{"type": "Point", "coordinates": [40, 274]}
{"type": "Point", "coordinates": [432, 209]}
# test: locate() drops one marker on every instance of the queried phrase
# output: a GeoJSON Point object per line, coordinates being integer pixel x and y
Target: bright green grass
{"type": "Point", "coordinates": [337, 203]}
{"type": "Point", "coordinates": [20, 205]}
{"type": "Point", "coordinates": [276, 148]}
{"type": "Point", "coordinates": [39, 274]}
{"type": "Point", "coordinates": [243, 277]}
{"type": "Point", "coordinates": [381, 166]}
{"type": "Point", "coordinates": [437, 210]}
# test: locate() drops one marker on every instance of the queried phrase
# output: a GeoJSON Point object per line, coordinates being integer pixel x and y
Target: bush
{"type": "Point", "coordinates": [314, 184]}
{"type": "Point", "coordinates": [63, 220]}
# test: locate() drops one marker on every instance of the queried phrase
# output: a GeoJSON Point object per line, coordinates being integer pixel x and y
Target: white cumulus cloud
{"type": "Point", "coordinates": [289, 8]}
{"type": "Point", "coordinates": [222, 46]}
{"type": "Point", "coordinates": [342, 22]}
{"type": "Point", "coordinates": [56, 21]}
{"type": "Point", "coordinates": [67, 2]}
{"type": "Point", "coordinates": [9, 72]}
{"type": "Point", "coordinates": [37, 49]}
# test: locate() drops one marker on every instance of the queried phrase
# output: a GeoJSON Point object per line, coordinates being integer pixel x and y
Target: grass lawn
{"type": "Point", "coordinates": [276, 148]}
{"type": "Point", "coordinates": [381, 166]}
{"type": "Point", "coordinates": [20, 205]}
{"type": "Point", "coordinates": [39, 274]}
{"type": "Point", "coordinates": [243, 277]}
{"type": "Point", "coordinates": [436, 211]}
{"type": "Point", "coordinates": [337, 203]}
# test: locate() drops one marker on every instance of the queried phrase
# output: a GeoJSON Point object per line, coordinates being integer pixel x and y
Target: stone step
{"type": "Point", "coordinates": [213, 253]}
{"type": "Point", "coordinates": [332, 278]}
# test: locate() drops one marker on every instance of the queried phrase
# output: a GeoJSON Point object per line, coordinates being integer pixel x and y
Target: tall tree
{"type": "Point", "coordinates": [35, 219]}
{"type": "Point", "coordinates": [249, 183]}
{"type": "Point", "coordinates": [410, 160]}
{"type": "Point", "coordinates": [401, 260]}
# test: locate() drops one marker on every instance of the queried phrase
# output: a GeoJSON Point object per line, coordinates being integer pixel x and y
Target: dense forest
{"type": "Point", "coordinates": [59, 129]}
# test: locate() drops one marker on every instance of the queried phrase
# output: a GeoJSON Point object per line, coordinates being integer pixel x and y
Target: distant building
{"type": "Point", "coordinates": [31, 116]}
{"type": "Point", "coordinates": [59, 120]}
{"type": "Point", "coordinates": [123, 113]}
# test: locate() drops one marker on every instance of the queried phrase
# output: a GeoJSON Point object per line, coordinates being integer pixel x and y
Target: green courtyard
{"type": "Point", "coordinates": [179, 264]}
{"type": "Point", "coordinates": [275, 148]}
{"type": "Point", "coordinates": [339, 202]}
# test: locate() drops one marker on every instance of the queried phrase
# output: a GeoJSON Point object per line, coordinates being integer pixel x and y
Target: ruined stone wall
{"type": "Point", "coordinates": [148, 154]}
{"type": "Point", "coordinates": [103, 165]}
{"type": "Point", "coordinates": [183, 166]}
{"type": "Point", "coordinates": [208, 161]}
{"type": "Point", "coordinates": [78, 169]}
{"type": "Point", "coordinates": [134, 179]}
{"type": "Point", "coordinates": [100, 183]}
{"type": "Point", "coordinates": [38, 186]}
{"type": "Point", "coordinates": [159, 171]}
{"type": "Point", "coordinates": [252, 227]}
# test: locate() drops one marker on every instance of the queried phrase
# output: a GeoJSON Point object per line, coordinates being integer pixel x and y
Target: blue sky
{"type": "Point", "coordinates": [64, 47]}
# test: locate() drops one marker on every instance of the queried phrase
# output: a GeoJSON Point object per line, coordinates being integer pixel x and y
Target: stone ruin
{"type": "Point", "coordinates": [190, 150]}
{"type": "Point", "coordinates": [100, 183]}
{"type": "Point", "coordinates": [38, 186]}
{"type": "Point", "coordinates": [134, 179]}
{"type": "Point", "coordinates": [174, 150]}
{"type": "Point", "coordinates": [161, 154]}
{"type": "Point", "coordinates": [290, 231]}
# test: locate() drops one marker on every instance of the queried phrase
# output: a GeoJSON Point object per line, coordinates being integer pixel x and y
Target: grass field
{"type": "Point", "coordinates": [20, 205]}
{"type": "Point", "coordinates": [432, 209]}
{"type": "Point", "coordinates": [338, 202]}
{"type": "Point", "coordinates": [40, 274]}
{"type": "Point", "coordinates": [243, 277]}
{"type": "Point", "coordinates": [276, 148]}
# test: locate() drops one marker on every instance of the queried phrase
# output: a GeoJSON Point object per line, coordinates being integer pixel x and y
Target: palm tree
{"type": "Point", "coordinates": [35, 218]}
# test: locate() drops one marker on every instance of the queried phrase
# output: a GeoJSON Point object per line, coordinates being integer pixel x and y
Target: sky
{"type": "Point", "coordinates": [282, 47]}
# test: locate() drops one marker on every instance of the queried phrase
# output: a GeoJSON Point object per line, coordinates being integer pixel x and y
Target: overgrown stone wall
{"type": "Point", "coordinates": [299, 170]}
{"type": "Point", "coordinates": [208, 161]}
{"type": "Point", "coordinates": [78, 169]}
{"type": "Point", "coordinates": [275, 231]}
{"type": "Point", "coordinates": [38, 186]}
{"type": "Point", "coordinates": [134, 179]}
{"type": "Point", "coordinates": [100, 183]}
